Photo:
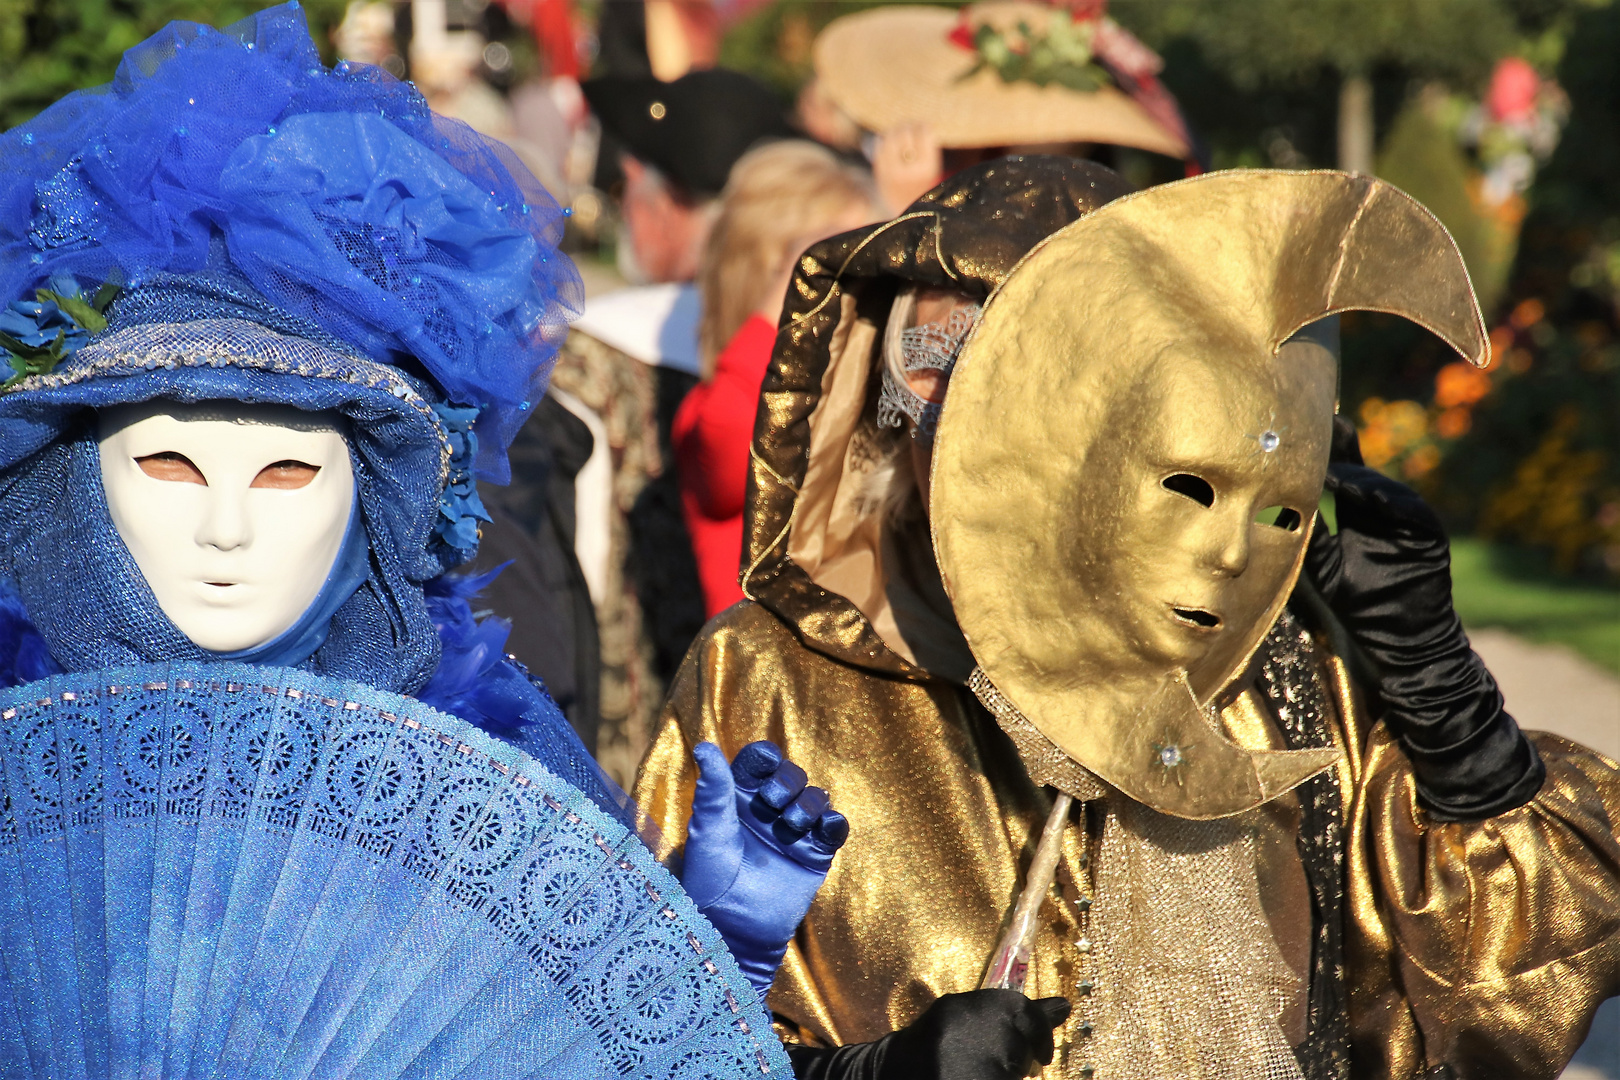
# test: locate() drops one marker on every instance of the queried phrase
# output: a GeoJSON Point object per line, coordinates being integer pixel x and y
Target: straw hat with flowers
{"type": "Point", "coordinates": [1001, 73]}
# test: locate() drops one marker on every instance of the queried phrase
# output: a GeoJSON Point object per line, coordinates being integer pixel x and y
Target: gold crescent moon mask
{"type": "Point", "coordinates": [1133, 446]}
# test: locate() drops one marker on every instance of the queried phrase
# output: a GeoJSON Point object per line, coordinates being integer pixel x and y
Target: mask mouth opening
{"type": "Point", "coordinates": [1197, 618]}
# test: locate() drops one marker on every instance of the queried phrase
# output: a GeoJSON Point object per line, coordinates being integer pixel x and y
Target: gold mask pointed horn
{"type": "Point", "coordinates": [1132, 448]}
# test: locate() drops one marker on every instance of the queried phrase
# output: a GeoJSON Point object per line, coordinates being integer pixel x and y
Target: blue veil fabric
{"type": "Point", "coordinates": [277, 232]}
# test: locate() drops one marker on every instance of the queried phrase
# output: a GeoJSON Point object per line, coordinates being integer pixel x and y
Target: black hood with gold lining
{"type": "Point", "coordinates": [815, 548]}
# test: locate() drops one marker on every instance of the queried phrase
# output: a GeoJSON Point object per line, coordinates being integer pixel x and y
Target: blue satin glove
{"type": "Point", "coordinates": [757, 849]}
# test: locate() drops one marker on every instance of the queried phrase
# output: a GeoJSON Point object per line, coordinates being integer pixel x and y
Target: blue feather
{"type": "Point", "coordinates": [24, 656]}
{"type": "Point", "coordinates": [475, 680]}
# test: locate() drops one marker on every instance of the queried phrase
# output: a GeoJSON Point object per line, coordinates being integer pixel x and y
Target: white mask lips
{"type": "Point", "coordinates": [231, 565]}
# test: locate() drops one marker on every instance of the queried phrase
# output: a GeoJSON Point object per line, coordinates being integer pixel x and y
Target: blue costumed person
{"type": "Point", "coordinates": [276, 803]}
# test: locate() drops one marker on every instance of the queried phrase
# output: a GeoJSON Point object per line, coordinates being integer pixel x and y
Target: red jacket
{"type": "Point", "coordinates": [713, 430]}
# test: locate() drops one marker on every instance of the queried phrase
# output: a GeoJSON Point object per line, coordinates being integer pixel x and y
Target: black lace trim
{"type": "Point", "coordinates": [1290, 680]}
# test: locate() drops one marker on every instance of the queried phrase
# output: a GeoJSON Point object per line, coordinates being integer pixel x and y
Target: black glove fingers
{"type": "Point", "coordinates": [1346, 445]}
{"type": "Point", "coordinates": [1367, 501]}
{"type": "Point", "coordinates": [1025, 1028]}
{"type": "Point", "coordinates": [1057, 1009]}
{"type": "Point", "coordinates": [1034, 1022]}
{"type": "Point", "coordinates": [1355, 494]}
{"type": "Point", "coordinates": [978, 1035]}
{"type": "Point", "coordinates": [1353, 502]}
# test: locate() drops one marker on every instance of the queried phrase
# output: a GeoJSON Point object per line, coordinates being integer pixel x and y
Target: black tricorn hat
{"type": "Point", "coordinates": [692, 130]}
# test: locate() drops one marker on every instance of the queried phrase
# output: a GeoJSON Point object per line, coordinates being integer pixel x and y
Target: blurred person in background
{"type": "Point", "coordinates": [780, 199]}
{"type": "Point", "coordinates": [631, 360]}
{"type": "Point", "coordinates": [532, 530]}
{"type": "Point", "coordinates": [927, 91]}
{"type": "Point", "coordinates": [673, 145]}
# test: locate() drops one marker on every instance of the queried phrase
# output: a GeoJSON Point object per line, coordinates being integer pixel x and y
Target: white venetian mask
{"type": "Point", "coordinates": [234, 513]}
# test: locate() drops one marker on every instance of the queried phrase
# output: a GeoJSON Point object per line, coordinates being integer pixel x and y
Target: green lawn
{"type": "Point", "coordinates": [1492, 587]}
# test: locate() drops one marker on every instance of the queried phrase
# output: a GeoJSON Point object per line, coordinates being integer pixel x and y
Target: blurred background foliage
{"type": "Point", "coordinates": [51, 47]}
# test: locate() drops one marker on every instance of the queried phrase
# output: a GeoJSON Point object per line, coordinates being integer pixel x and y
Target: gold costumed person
{"type": "Point", "coordinates": [1292, 831]}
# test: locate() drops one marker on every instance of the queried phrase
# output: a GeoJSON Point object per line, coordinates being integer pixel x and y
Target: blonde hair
{"type": "Point", "coordinates": [776, 196]}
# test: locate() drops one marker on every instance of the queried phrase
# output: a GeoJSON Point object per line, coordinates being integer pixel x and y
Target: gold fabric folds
{"type": "Point", "coordinates": [942, 817]}
{"type": "Point", "coordinates": [1485, 946]}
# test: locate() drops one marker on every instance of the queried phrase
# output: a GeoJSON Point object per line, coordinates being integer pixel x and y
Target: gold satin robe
{"type": "Point", "coordinates": [1483, 946]}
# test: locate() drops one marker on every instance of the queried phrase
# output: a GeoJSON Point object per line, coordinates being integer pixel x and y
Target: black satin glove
{"type": "Point", "coordinates": [980, 1035]}
{"type": "Point", "coordinates": [1387, 576]}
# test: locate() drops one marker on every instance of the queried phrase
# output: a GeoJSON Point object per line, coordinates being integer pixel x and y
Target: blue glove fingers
{"type": "Point", "coordinates": [713, 835]}
{"type": "Point", "coordinates": [815, 848]}
{"type": "Point", "coordinates": [831, 831]}
{"type": "Point", "coordinates": [783, 786]}
{"type": "Point", "coordinates": [755, 763]}
{"type": "Point", "coordinates": [802, 813]}
{"type": "Point", "coordinates": [714, 798]}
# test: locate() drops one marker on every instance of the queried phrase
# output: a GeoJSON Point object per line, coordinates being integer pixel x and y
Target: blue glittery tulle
{"type": "Point", "coordinates": [339, 196]}
{"type": "Point", "coordinates": [233, 871]}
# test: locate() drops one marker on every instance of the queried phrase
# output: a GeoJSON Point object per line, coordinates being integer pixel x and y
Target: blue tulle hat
{"type": "Point", "coordinates": [231, 219]}
{"type": "Point", "coordinates": [334, 193]}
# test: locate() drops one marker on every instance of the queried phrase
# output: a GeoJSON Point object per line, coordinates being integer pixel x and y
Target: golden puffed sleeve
{"type": "Point", "coordinates": [1485, 946]}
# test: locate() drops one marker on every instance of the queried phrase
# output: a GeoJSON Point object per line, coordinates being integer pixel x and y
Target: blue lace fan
{"type": "Point", "coordinates": [233, 871]}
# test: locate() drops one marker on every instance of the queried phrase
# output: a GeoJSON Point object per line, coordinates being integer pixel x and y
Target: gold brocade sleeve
{"type": "Point", "coordinates": [1486, 946]}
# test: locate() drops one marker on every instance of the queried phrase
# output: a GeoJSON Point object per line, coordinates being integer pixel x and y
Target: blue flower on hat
{"type": "Point", "coordinates": [38, 334]}
{"type": "Point", "coordinates": [38, 323]}
{"type": "Point", "coordinates": [460, 508]}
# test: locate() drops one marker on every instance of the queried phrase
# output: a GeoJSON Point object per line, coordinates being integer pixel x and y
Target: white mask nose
{"type": "Point", "coordinates": [226, 524]}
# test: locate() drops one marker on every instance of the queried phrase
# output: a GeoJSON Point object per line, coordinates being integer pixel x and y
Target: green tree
{"type": "Point", "coordinates": [1289, 42]}
{"type": "Point", "coordinates": [773, 43]}
{"type": "Point", "coordinates": [49, 48]}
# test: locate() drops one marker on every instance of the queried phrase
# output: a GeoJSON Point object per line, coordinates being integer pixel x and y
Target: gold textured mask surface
{"type": "Point", "coordinates": [1133, 446]}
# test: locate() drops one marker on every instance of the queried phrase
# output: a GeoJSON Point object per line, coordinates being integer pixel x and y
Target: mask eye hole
{"type": "Point", "coordinates": [1279, 517]}
{"type": "Point", "coordinates": [171, 466]}
{"type": "Point", "coordinates": [1193, 487]}
{"type": "Point", "coordinates": [288, 475]}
